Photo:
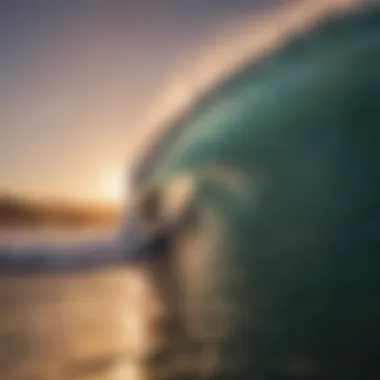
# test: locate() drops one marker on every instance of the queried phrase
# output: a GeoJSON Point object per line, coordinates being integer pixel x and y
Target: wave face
{"type": "Point", "coordinates": [277, 274]}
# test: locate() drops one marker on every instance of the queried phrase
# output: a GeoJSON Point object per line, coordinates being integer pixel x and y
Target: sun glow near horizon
{"type": "Point", "coordinates": [115, 187]}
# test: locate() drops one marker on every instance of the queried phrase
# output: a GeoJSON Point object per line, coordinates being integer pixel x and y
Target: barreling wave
{"type": "Point", "coordinates": [231, 52]}
{"type": "Point", "coordinates": [292, 275]}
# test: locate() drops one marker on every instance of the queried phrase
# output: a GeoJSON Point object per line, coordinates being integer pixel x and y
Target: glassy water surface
{"type": "Point", "coordinates": [83, 325]}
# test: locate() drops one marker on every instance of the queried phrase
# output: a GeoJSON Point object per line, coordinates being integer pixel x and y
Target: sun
{"type": "Point", "coordinates": [115, 188]}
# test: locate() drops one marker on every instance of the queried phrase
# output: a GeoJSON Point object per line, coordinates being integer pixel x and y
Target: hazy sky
{"type": "Point", "coordinates": [76, 76]}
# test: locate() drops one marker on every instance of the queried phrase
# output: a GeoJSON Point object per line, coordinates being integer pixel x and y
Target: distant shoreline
{"type": "Point", "coordinates": [22, 213]}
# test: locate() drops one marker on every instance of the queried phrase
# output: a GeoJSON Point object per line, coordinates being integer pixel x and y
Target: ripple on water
{"type": "Point", "coordinates": [72, 326]}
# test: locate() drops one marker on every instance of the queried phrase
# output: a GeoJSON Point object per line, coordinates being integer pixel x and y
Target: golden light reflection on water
{"type": "Point", "coordinates": [77, 326]}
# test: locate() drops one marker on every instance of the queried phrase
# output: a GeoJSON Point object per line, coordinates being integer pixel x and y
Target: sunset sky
{"type": "Point", "coordinates": [76, 76]}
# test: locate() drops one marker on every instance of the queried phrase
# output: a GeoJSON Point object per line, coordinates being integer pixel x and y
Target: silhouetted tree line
{"type": "Point", "coordinates": [16, 211]}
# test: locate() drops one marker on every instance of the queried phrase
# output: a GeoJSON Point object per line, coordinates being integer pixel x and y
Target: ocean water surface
{"type": "Point", "coordinates": [84, 324]}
